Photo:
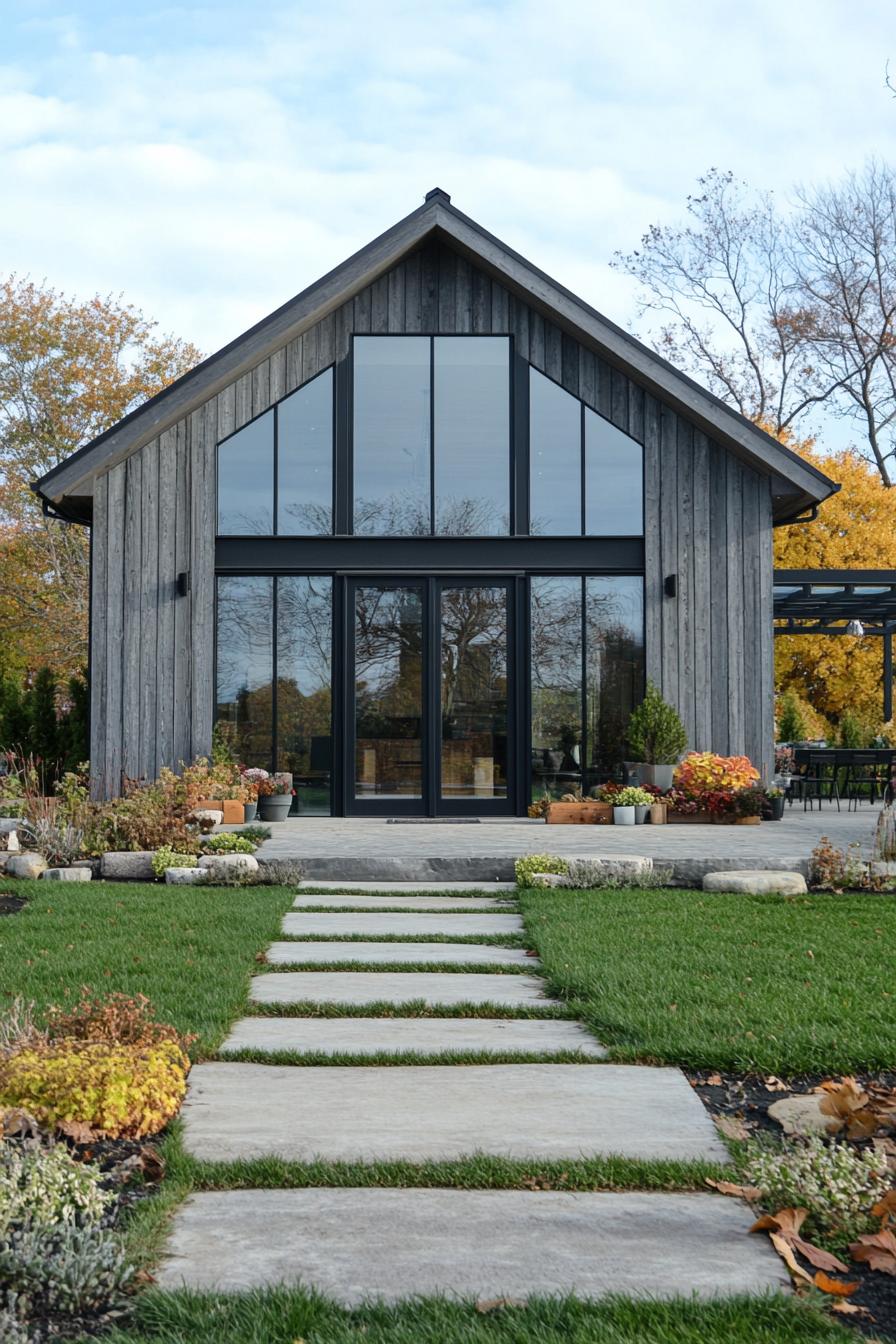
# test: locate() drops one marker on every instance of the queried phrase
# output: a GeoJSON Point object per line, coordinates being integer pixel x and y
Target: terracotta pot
{"type": "Point", "coordinates": [590, 813]}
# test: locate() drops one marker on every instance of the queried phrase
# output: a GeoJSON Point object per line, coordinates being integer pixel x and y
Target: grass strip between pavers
{"type": "Point", "coordinates": [291, 1315]}
{"type": "Point", "coordinates": [400, 910]}
{"type": "Point", "coordinates": [401, 967]}
{"type": "Point", "coordinates": [414, 1008]}
{"type": "Point", "coordinates": [393, 1059]}
{"type": "Point", "coordinates": [517, 940]}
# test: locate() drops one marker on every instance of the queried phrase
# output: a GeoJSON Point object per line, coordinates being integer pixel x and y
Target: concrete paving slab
{"type": "Point", "coordinates": [405, 923]}
{"type": "Point", "coordinates": [357, 1245]}
{"type": "Point", "coordinates": [304, 953]}
{"type": "Point", "coordinates": [385, 900]}
{"type": "Point", "coordinates": [404, 888]}
{"type": "Point", "coordinates": [402, 1035]}
{"type": "Point", "coordinates": [439, 1112]}
{"type": "Point", "coordinates": [397, 987]}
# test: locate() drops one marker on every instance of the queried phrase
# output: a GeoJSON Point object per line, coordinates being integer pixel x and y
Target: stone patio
{"type": "Point", "coordinates": [351, 849]}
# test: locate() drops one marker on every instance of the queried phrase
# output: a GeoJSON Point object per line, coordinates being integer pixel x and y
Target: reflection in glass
{"type": "Point", "coordinates": [555, 448]}
{"type": "Point", "coordinates": [246, 480]}
{"type": "Point", "coordinates": [389, 692]}
{"type": "Point", "coordinates": [304, 732]}
{"type": "Point", "coordinates": [614, 635]}
{"type": "Point", "coordinates": [391, 436]}
{"type": "Point", "coordinates": [305, 459]}
{"type": "Point", "coordinates": [244, 664]}
{"type": "Point", "coordinates": [474, 692]}
{"type": "Point", "coordinates": [556, 624]}
{"type": "Point", "coordinates": [471, 401]}
{"type": "Point", "coordinates": [613, 480]}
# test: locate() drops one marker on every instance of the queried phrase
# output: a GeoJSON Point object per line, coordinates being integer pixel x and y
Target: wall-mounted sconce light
{"type": "Point", "coordinates": [183, 584]}
{"type": "Point", "coordinates": [670, 585]}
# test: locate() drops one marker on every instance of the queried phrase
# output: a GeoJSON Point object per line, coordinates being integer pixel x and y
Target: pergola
{"type": "Point", "coordinates": [854, 602]}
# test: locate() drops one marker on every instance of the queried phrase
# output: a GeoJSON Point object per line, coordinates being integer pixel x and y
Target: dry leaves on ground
{"type": "Point", "coordinates": [730, 1127]}
{"type": "Point", "coordinates": [485, 1306]}
{"type": "Point", "coordinates": [861, 1111]}
{"type": "Point", "coordinates": [877, 1250]}
{"type": "Point", "coordinates": [749, 1192]}
{"type": "Point", "coordinates": [784, 1227]}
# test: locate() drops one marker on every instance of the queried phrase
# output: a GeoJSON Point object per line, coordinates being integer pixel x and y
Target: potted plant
{"type": "Point", "coordinates": [656, 737]}
{"type": "Point", "coordinates": [774, 809]}
{"type": "Point", "coordinates": [251, 780]}
{"type": "Point", "coordinates": [627, 803]}
{"type": "Point", "coordinates": [748, 805]}
{"type": "Point", "coordinates": [275, 796]}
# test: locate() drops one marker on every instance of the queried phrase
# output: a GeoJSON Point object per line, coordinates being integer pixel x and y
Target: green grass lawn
{"type": "Point", "coordinates": [191, 950]}
{"type": "Point", "coordinates": [766, 983]}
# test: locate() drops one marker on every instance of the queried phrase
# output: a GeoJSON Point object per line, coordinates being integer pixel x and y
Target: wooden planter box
{"type": "Point", "coordinates": [709, 819]}
{"type": "Point", "coordinates": [580, 814]}
{"type": "Point", "coordinates": [233, 809]}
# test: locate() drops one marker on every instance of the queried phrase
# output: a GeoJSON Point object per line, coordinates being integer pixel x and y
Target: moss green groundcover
{"type": "Point", "coordinates": [713, 980]}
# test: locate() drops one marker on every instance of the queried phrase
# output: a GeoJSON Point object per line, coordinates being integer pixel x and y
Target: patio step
{"type": "Point", "coordinates": [355, 1245]}
{"type": "Point", "coordinates": [403, 924]}
{"type": "Point", "coordinates": [302, 952]}
{"type": "Point", "coordinates": [405, 1035]}
{"type": "Point", "coordinates": [387, 900]}
{"type": "Point", "coordinates": [399, 987]}
{"type": "Point", "coordinates": [420, 1113]}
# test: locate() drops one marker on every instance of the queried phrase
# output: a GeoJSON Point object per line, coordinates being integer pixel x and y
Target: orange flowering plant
{"type": "Point", "coordinates": [703, 772]}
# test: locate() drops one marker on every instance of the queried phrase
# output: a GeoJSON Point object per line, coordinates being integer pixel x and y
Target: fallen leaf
{"type": "Point", "coordinates": [847, 1103]}
{"type": "Point", "coordinates": [152, 1164]}
{"type": "Point", "coordinates": [822, 1260]}
{"type": "Point", "coordinates": [786, 1254]}
{"type": "Point", "coordinates": [714, 1080]}
{"type": "Point", "coordinates": [786, 1223]}
{"type": "Point", "coordinates": [877, 1249]}
{"type": "Point", "coordinates": [851, 1309]}
{"type": "Point", "coordinates": [739, 1191]}
{"type": "Point", "coordinates": [143, 1277]}
{"type": "Point", "coordinates": [773, 1084]}
{"type": "Point", "coordinates": [885, 1208]}
{"type": "Point", "coordinates": [18, 1123]}
{"type": "Point", "coordinates": [77, 1131]}
{"type": "Point", "coordinates": [836, 1287]}
{"type": "Point", "coordinates": [731, 1128]}
{"type": "Point", "coordinates": [487, 1305]}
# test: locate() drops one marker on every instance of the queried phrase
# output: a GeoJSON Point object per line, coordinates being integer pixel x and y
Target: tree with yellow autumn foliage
{"type": "Point", "coordinates": [68, 370]}
{"type": "Point", "coordinates": [855, 529]}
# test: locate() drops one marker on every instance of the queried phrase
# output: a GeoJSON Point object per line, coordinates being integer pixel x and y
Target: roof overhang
{"type": "Point", "coordinates": [797, 486]}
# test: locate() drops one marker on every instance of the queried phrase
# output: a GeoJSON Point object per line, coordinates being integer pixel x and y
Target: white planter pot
{"type": "Point", "coordinates": [641, 815]}
{"type": "Point", "coordinates": [660, 776]}
{"type": "Point", "coordinates": [623, 816]}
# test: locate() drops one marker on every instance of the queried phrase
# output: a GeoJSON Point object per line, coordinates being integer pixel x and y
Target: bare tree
{"type": "Point", "coordinates": [778, 313]}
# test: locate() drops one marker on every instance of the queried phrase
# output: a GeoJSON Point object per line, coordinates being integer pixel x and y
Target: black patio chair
{"type": "Point", "coordinates": [820, 775]}
{"type": "Point", "coordinates": [867, 770]}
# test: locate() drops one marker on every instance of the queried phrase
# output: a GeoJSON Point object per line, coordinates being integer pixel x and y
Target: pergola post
{"type": "Point", "coordinates": [888, 673]}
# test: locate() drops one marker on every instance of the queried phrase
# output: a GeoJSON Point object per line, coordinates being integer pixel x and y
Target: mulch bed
{"type": "Point", "coordinates": [747, 1097]}
{"type": "Point", "coordinates": [10, 904]}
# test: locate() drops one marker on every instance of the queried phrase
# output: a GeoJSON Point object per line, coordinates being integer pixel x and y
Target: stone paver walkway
{"type": "Point", "coordinates": [355, 1244]}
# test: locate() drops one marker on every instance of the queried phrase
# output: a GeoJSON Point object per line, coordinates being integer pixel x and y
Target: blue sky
{"type": "Point", "coordinates": [210, 161]}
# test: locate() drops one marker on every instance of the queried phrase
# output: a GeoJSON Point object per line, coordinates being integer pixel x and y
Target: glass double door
{"type": "Point", "coordinates": [430, 684]}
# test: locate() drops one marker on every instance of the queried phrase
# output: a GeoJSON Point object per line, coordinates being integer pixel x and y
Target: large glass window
{"type": "Point", "coordinates": [473, 691]}
{"type": "Point", "coordinates": [304, 669]}
{"type": "Point", "coordinates": [305, 459]}
{"type": "Point", "coordinates": [391, 435]}
{"type": "Point", "coordinates": [587, 676]}
{"type": "Point", "coordinates": [431, 442]}
{"type": "Point", "coordinates": [585, 475]}
{"type": "Point", "coordinates": [555, 457]}
{"type": "Point", "coordinates": [275, 475]}
{"type": "Point", "coordinates": [245, 655]}
{"type": "Point", "coordinates": [246, 480]}
{"type": "Point", "coordinates": [471, 420]}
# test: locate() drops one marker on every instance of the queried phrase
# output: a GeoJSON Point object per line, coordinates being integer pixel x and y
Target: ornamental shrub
{"type": "Point", "coordinates": [108, 1091]}
{"type": "Point", "coordinates": [835, 1182]}
{"type": "Point", "coordinates": [703, 772]}
{"type": "Point", "coordinates": [69, 1270]}
{"type": "Point", "coordinates": [228, 842]}
{"type": "Point", "coordinates": [42, 1187]}
{"type": "Point", "coordinates": [116, 1019]}
{"type": "Point", "coordinates": [530, 864]}
{"type": "Point", "coordinates": [656, 734]}
{"type": "Point", "coordinates": [167, 858]}
{"type": "Point", "coordinates": [632, 796]}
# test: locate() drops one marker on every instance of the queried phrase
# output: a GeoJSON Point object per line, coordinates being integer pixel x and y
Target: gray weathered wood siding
{"type": "Point", "coordinates": [707, 520]}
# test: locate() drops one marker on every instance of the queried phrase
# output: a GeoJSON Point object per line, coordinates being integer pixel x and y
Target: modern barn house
{"type": "Point", "coordinates": [420, 536]}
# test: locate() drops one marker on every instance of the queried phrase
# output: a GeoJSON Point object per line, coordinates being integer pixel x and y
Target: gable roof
{"type": "Point", "coordinates": [796, 484]}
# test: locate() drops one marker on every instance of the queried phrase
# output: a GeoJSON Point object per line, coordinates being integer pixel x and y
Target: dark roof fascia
{"type": "Point", "coordinates": [805, 484]}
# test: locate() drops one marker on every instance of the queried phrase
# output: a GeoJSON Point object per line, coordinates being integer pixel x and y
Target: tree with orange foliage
{"type": "Point", "coordinates": [855, 529]}
{"type": "Point", "coordinates": [68, 370]}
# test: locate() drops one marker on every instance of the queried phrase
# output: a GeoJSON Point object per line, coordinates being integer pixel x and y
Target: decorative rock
{"type": "Point", "coordinates": [66, 875]}
{"type": "Point", "coordinates": [185, 877]}
{"type": "Point", "coordinates": [211, 814]}
{"type": "Point", "coordinates": [882, 868]}
{"type": "Point", "coordinates": [25, 865]}
{"type": "Point", "coordinates": [228, 866]}
{"type": "Point", "coordinates": [801, 1115]}
{"type": "Point", "coordinates": [10, 827]}
{"type": "Point", "coordinates": [128, 865]}
{"type": "Point", "coordinates": [549, 880]}
{"type": "Point", "coordinates": [756, 882]}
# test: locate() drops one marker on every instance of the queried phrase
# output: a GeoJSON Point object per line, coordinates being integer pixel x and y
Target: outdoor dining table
{"type": "Point", "coordinates": [847, 768]}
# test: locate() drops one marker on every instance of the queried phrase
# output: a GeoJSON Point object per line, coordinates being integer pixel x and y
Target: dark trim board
{"type": "Point", "coordinates": [417, 555]}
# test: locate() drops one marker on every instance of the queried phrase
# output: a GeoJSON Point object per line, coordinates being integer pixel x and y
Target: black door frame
{"type": "Point", "coordinates": [431, 804]}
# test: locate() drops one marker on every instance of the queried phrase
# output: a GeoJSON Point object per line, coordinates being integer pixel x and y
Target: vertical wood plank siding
{"type": "Point", "coordinates": [707, 521]}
